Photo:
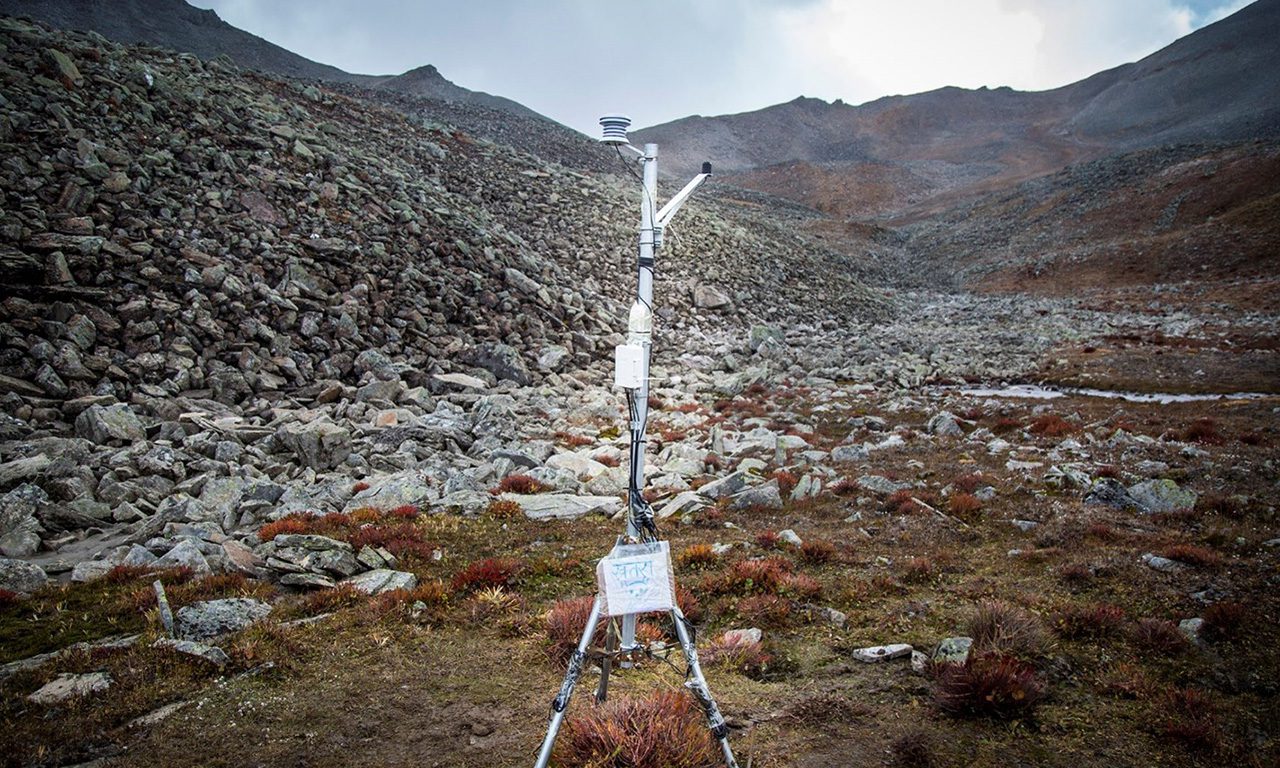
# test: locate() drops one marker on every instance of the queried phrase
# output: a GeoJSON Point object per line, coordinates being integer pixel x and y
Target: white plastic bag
{"type": "Point", "coordinates": [637, 578]}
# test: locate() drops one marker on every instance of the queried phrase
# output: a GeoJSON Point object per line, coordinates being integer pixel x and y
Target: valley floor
{"type": "Point", "coordinates": [465, 680]}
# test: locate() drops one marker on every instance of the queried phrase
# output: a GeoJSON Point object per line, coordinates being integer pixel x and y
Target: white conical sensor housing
{"type": "Point", "coordinates": [614, 129]}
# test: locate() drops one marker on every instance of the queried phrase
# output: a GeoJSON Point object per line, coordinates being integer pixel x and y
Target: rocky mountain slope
{"type": "Point", "coordinates": [183, 225]}
{"type": "Point", "coordinates": [919, 152]}
{"type": "Point", "coordinates": [175, 24]}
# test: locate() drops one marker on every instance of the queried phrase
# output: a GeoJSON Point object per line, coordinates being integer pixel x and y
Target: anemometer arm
{"type": "Point", "coordinates": [669, 210]}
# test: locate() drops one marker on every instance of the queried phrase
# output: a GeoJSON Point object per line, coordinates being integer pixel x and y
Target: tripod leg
{"type": "Point", "coordinates": [606, 664]}
{"type": "Point", "coordinates": [697, 685]}
{"type": "Point", "coordinates": [561, 702]}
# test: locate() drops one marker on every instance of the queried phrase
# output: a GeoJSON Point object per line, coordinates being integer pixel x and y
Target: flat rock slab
{"type": "Point", "coordinates": [210, 653]}
{"type": "Point", "coordinates": [461, 380]}
{"type": "Point", "coordinates": [1162, 564]}
{"type": "Point", "coordinates": [217, 617]}
{"type": "Point", "coordinates": [878, 653]}
{"type": "Point", "coordinates": [68, 686]}
{"type": "Point", "coordinates": [563, 506]}
{"type": "Point", "coordinates": [381, 580]}
{"type": "Point", "coordinates": [746, 636]}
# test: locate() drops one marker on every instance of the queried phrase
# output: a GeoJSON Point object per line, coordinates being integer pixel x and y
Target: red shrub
{"type": "Point", "coordinates": [1089, 621]}
{"type": "Point", "coordinates": [689, 604]}
{"type": "Point", "coordinates": [1075, 574]}
{"type": "Point", "coordinates": [968, 483]}
{"type": "Point", "coordinates": [1101, 531]}
{"type": "Point", "coordinates": [987, 685]}
{"type": "Point", "coordinates": [918, 570]}
{"type": "Point", "coordinates": [768, 540]}
{"type": "Point", "coordinates": [1224, 620]}
{"type": "Point", "coordinates": [1194, 555]}
{"type": "Point", "coordinates": [1052, 425]}
{"type": "Point", "coordinates": [1190, 719]}
{"type": "Point", "coordinates": [962, 504]}
{"type": "Point", "coordinates": [1007, 630]}
{"type": "Point", "coordinates": [522, 484]}
{"type": "Point", "coordinates": [606, 459]}
{"type": "Point", "coordinates": [1005, 424]}
{"type": "Point", "coordinates": [662, 730]}
{"type": "Point", "coordinates": [330, 600]}
{"type": "Point", "coordinates": [1159, 636]}
{"type": "Point", "coordinates": [123, 574]}
{"type": "Point", "coordinates": [764, 610]}
{"type": "Point", "coordinates": [297, 522]}
{"type": "Point", "coordinates": [800, 586]}
{"type": "Point", "coordinates": [1204, 430]}
{"type": "Point", "coordinates": [9, 598]}
{"type": "Point", "coordinates": [490, 572]}
{"type": "Point", "coordinates": [400, 539]}
{"type": "Point", "coordinates": [358, 487]}
{"type": "Point", "coordinates": [713, 462]}
{"type": "Point", "coordinates": [565, 623]}
{"type": "Point", "coordinates": [846, 487]}
{"type": "Point", "coordinates": [817, 551]}
{"type": "Point", "coordinates": [572, 440]}
{"type": "Point", "coordinates": [755, 576]}
{"type": "Point", "coordinates": [786, 481]}
{"type": "Point", "coordinates": [404, 512]}
{"type": "Point", "coordinates": [1108, 470]}
{"type": "Point", "coordinates": [748, 658]}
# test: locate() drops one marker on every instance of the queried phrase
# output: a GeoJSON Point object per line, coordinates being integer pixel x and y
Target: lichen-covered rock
{"type": "Point", "coordinates": [1155, 496]}
{"type": "Point", "coordinates": [319, 445]}
{"type": "Point", "coordinates": [20, 576]}
{"type": "Point", "coordinates": [211, 618]}
{"type": "Point", "coordinates": [381, 580]}
{"type": "Point", "coordinates": [109, 424]}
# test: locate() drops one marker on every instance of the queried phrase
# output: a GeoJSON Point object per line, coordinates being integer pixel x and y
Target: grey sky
{"type": "Point", "coordinates": [659, 60]}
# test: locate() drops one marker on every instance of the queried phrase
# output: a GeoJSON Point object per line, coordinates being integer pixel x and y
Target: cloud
{"type": "Point", "coordinates": [663, 59]}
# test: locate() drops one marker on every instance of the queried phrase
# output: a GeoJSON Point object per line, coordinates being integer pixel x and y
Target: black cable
{"type": "Point", "coordinates": [626, 165]}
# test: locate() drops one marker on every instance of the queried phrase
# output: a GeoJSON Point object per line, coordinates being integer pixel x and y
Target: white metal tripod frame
{"type": "Point", "coordinates": [652, 221]}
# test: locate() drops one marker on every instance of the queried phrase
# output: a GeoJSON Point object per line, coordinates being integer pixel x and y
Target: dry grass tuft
{"type": "Point", "coordinates": [697, 556]}
{"type": "Point", "coordinates": [1003, 629]}
{"type": "Point", "coordinates": [768, 540]}
{"type": "Point", "coordinates": [817, 552]}
{"type": "Point", "coordinates": [520, 484]}
{"type": "Point", "coordinates": [1052, 425]}
{"type": "Point", "coordinates": [1190, 720]}
{"type": "Point", "coordinates": [913, 749]}
{"type": "Point", "coordinates": [1202, 430]}
{"type": "Point", "coordinates": [565, 623]}
{"type": "Point", "coordinates": [1088, 621]}
{"type": "Point", "coordinates": [1224, 620]}
{"type": "Point", "coordinates": [663, 730]}
{"type": "Point", "coordinates": [987, 685]}
{"type": "Point", "coordinates": [963, 504]}
{"type": "Point", "coordinates": [1159, 636]}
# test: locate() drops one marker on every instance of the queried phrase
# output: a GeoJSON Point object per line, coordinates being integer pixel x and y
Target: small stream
{"type": "Point", "coordinates": [1036, 392]}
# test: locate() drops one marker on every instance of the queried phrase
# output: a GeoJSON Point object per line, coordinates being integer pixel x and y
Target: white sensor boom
{"type": "Point", "coordinates": [615, 129]}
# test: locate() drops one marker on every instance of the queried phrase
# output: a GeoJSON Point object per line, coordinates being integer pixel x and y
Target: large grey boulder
{"type": "Point", "coordinates": [710, 297]}
{"type": "Point", "coordinates": [1153, 496]}
{"type": "Point", "coordinates": [211, 618]}
{"type": "Point", "coordinates": [563, 506]}
{"type": "Point", "coordinates": [726, 486]}
{"type": "Point", "coordinates": [502, 361]}
{"type": "Point", "coordinates": [318, 445]}
{"type": "Point", "coordinates": [881, 484]}
{"type": "Point", "coordinates": [1109, 492]}
{"type": "Point", "coordinates": [20, 576]}
{"type": "Point", "coordinates": [944, 424]}
{"type": "Point", "coordinates": [109, 424]}
{"type": "Point", "coordinates": [186, 554]}
{"type": "Point", "coordinates": [19, 527]}
{"type": "Point", "coordinates": [412, 487]}
{"type": "Point", "coordinates": [764, 496]}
